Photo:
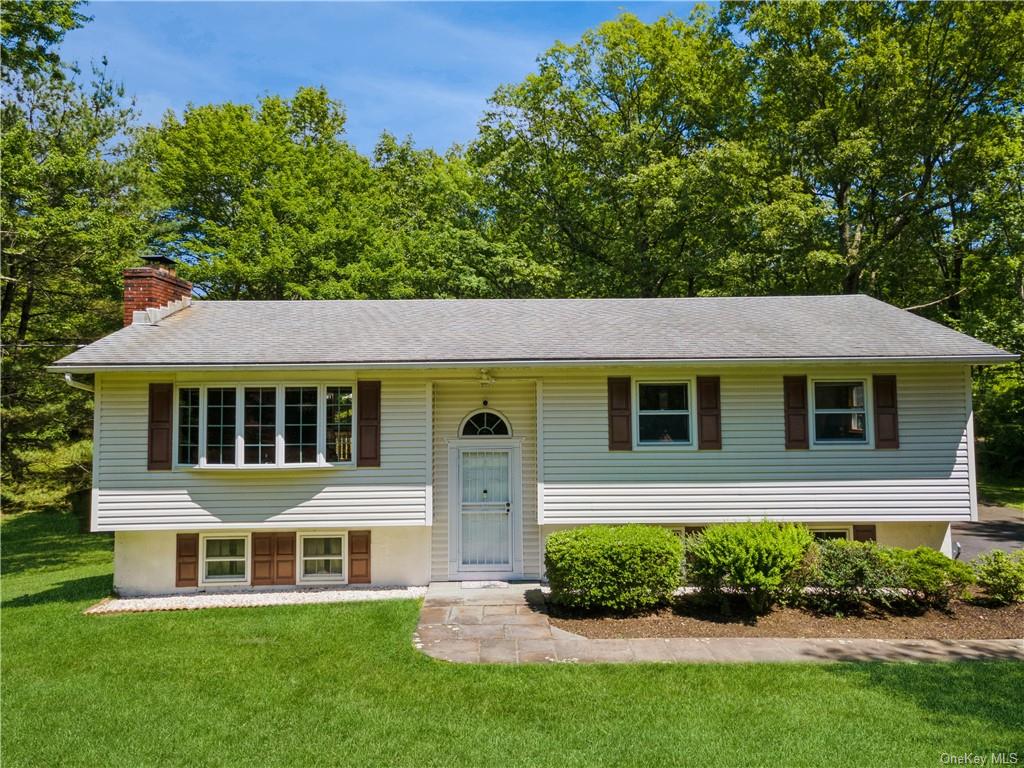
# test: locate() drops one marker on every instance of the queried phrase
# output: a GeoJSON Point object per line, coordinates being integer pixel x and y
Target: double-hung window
{"type": "Point", "coordinates": [840, 412]}
{"type": "Point", "coordinates": [323, 558]}
{"type": "Point", "coordinates": [224, 559]}
{"type": "Point", "coordinates": [663, 413]}
{"type": "Point", "coordinates": [266, 425]}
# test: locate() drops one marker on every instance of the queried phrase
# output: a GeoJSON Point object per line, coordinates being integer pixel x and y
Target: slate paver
{"type": "Point", "coordinates": [505, 624]}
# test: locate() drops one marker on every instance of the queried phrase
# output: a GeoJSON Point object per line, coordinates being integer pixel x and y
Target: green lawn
{"type": "Point", "coordinates": [1001, 491]}
{"type": "Point", "coordinates": [342, 685]}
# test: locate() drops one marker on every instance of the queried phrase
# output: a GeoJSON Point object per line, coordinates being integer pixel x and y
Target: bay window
{"type": "Point", "coordinates": [221, 425]}
{"type": "Point", "coordinates": [266, 425]}
{"type": "Point", "coordinates": [339, 424]}
{"type": "Point", "coordinates": [260, 425]}
{"type": "Point", "coordinates": [188, 425]}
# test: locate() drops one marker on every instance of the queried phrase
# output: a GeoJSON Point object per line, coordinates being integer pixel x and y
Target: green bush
{"type": "Point", "coordinates": [846, 575]}
{"type": "Point", "coordinates": [927, 576]}
{"type": "Point", "coordinates": [761, 561]}
{"type": "Point", "coordinates": [1001, 575]}
{"type": "Point", "coordinates": [622, 568]}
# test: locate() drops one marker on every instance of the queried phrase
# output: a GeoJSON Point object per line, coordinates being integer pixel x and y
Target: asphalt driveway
{"type": "Point", "coordinates": [996, 528]}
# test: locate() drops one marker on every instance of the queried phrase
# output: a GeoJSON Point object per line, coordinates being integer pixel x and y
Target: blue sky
{"type": "Point", "coordinates": [424, 69]}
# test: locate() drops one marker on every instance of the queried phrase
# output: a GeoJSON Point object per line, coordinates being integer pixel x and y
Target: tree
{"type": "Point", "coordinates": [618, 163]}
{"type": "Point", "coordinates": [30, 33]}
{"type": "Point", "coordinates": [70, 224]}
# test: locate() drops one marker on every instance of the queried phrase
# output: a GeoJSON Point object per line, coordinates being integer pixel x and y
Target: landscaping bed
{"type": "Point", "coordinates": [686, 618]}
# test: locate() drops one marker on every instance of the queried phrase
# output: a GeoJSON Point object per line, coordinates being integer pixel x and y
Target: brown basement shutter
{"type": "Point", "coordinates": [887, 426]}
{"type": "Point", "coordinates": [795, 397]}
{"type": "Point", "coordinates": [368, 416]}
{"type": "Point", "coordinates": [273, 559]}
{"type": "Point", "coordinates": [620, 419]}
{"type": "Point", "coordinates": [864, 533]}
{"type": "Point", "coordinates": [161, 397]}
{"type": "Point", "coordinates": [284, 558]}
{"type": "Point", "coordinates": [186, 566]}
{"type": "Point", "coordinates": [709, 413]}
{"type": "Point", "coordinates": [358, 557]}
{"type": "Point", "coordinates": [262, 559]}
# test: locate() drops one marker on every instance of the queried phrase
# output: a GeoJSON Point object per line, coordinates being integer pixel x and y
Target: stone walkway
{"type": "Point", "coordinates": [254, 599]}
{"type": "Point", "coordinates": [503, 623]}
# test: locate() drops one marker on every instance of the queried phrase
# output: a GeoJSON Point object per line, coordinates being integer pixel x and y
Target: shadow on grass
{"type": "Point", "coordinates": [981, 690]}
{"type": "Point", "coordinates": [42, 540]}
{"type": "Point", "coordinates": [73, 591]}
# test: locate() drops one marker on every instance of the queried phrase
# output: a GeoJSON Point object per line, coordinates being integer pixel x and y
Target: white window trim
{"type": "Point", "coordinates": [280, 464]}
{"type": "Point", "coordinates": [691, 443]}
{"type": "Point", "coordinates": [300, 558]}
{"type": "Point", "coordinates": [246, 558]}
{"type": "Point", "coordinates": [493, 411]}
{"type": "Point", "coordinates": [869, 431]}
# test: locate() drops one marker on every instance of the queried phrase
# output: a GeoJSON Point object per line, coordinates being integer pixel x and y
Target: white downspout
{"type": "Point", "coordinates": [70, 381]}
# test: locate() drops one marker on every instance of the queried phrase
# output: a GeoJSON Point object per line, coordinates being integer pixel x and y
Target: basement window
{"type": "Point", "coordinates": [323, 558]}
{"type": "Point", "coordinates": [224, 559]}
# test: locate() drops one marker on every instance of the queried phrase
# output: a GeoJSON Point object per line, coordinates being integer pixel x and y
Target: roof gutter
{"type": "Point", "coordinates": [70, 381]}
{"type": "Point", "coordinates": [527, 363]}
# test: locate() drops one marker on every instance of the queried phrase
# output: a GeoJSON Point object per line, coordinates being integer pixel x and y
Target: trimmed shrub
{"type": "Point", "coordinates": [927, 576]}
{"type": "Point", "coordinates": [845, 575]}
{"type": "Point", "coordinates": [762, 561]}
{"type": "Point", "coordinates": [620, 568]}
{"type": "Point", "coordinates": [1001, 575]}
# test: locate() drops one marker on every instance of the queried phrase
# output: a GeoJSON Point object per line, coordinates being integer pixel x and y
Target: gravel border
{"type": "Point", "coordinates": [251, 599]}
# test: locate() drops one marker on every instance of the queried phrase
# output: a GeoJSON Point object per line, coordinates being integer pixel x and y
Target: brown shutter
{"type": "Point", "coordinates": [368, 416]}
{"type": "Point", "coordinates": [887, 426]}
{"type": "Point", "coordinates": [186, 566]}
{"type": "Point", "coordinates": [161, 399]}
{"type": "Point", "coordinates": [620, 419]}
{"type": "Point", "coordinates": [284, 558]}
{"type": "Point", "coordinates": [863, 533]}
{"type": "Point", "coordinates": [273, 559]}
{"type": "Point", "coordinates": [358, 557]}
{"type": "Point", "coordinates": [262, 559]}
{"type": "Point", "coordinates": [709, 413]}
{"type": "Point", "coordinates": [795, 397]}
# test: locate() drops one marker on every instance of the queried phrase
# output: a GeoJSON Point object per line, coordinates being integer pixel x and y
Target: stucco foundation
{"type": "Point", "coordinates": [144, 561]}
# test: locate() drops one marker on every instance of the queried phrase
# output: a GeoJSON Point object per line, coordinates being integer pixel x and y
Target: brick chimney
{"type": "Point", "coordinates": [153, 286]}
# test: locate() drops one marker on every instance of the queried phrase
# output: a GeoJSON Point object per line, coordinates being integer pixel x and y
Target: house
{"type": "Point", "coordinates": [261, 443]}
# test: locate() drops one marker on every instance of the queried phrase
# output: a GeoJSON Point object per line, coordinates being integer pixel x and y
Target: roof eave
{"type": "Point", "coordinates": [981, 359]}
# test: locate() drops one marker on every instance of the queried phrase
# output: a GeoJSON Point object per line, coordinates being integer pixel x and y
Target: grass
{"type": "Point", "coordinates": [342, 685]}
{"type": "Point", "coordinates": [1001, 491]}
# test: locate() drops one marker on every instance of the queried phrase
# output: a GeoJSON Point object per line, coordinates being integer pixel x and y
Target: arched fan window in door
{"type": "Point", "coordinates": [485, 424]}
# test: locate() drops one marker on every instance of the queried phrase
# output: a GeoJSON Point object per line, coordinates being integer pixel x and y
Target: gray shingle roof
{"type": "Point", "coordinates": [238, 333]}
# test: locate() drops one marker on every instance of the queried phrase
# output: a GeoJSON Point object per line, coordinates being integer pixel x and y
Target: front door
{"type": "Point", "coordinates": [485, 511]}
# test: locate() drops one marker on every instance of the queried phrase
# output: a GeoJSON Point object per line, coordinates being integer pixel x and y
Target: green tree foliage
{"type": "Point", "coordinates": [270, 202]}
{"type": "Point", "coordinates": [29, 34]}
{"type": "Point", "coordinates": [767, 148]}
{"type": "Point", "coordinates": [69, 223]}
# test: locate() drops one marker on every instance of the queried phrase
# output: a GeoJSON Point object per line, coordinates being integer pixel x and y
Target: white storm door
{"type": "Point", "coordinates": [485, 510]}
